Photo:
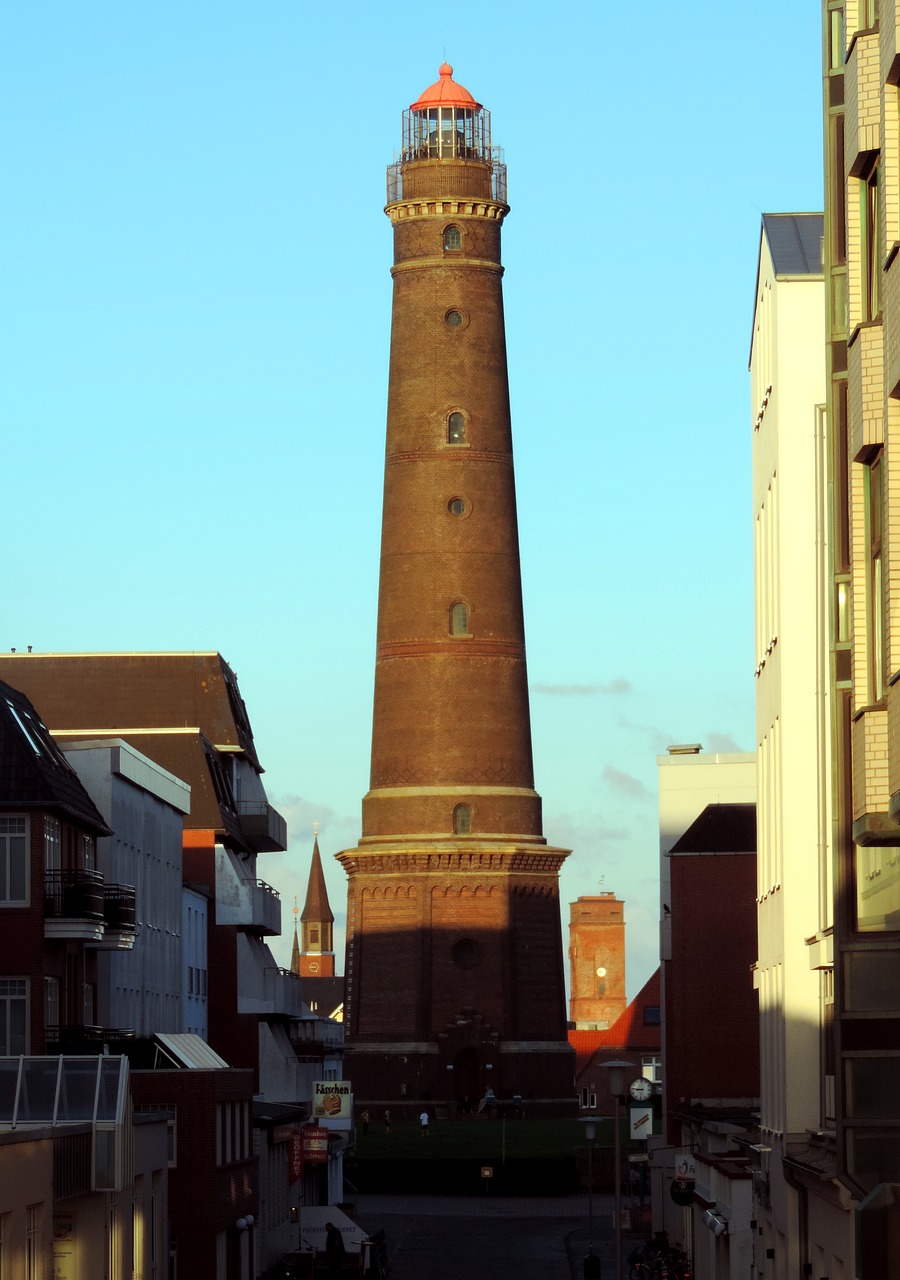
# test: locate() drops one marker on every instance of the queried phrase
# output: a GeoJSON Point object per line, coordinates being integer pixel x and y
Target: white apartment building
{"type": "Point", "coordinates": [793, 1177]}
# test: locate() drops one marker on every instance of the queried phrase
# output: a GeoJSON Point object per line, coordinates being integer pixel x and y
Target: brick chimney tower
{"type": "Point", "coordinates": [454, 954]}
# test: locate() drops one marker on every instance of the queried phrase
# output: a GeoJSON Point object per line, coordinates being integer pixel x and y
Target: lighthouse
{"type": "Point", "coordinates": [454, 964]}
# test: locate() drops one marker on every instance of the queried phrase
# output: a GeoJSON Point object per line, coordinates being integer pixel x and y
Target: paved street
{"type": "Point", "coordinates": [491, 1238]}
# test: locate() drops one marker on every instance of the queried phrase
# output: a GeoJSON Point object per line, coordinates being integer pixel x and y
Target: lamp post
{"type": "Point", "coordinates": [591, 1262]}
{"type": "Point", "coordinates": [617, 1086]}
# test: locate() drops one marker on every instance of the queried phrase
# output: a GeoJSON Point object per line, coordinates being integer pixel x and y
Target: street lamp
{"type": "Point", "coordinates": [617, 1086]}
{"type": "Point", "coordinates": [591, 1262]}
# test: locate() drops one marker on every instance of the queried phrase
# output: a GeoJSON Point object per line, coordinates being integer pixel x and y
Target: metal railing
{"type": "Point", "coordinates": [73, 895]}
{"type": "Point", "coordinates": [119, 908]}
{"type": "Point", "coordinates": [447, 179]}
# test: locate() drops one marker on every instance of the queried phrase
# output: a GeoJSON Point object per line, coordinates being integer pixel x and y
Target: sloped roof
{"type": "Point", "coordinates": [795, 242]}
{"type": "Point", "coordinates": [34, 773]}
{"type": "Point", "coordinates": [445, 92]}
{"type": "Point", "coordinates": [189, 1050]}
{"type": "Point", "coordinates": [316, 907]}
{"type": "Point", "coordinates": [720, 828]}
{"type": "Point", "coordinates": [99, 692]}
{"type": "Point", "coordinates": [628, 1033]}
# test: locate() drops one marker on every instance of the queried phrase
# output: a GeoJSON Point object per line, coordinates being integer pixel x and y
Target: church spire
{"type": "Point", "coordinates": [295, 950]}
{"type": "Point", "coordinates": [316, 958]}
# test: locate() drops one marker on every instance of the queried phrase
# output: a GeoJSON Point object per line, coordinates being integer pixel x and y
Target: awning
{"type": "Point", "coordinates": [312, 1227]}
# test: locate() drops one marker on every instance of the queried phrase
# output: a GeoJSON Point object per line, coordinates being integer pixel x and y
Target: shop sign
{"type": "Point", "coordinates": [315, 1144]}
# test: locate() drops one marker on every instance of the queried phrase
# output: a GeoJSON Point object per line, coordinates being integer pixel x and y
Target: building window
{"type": "Point", "coordinates": [868, 225]}
{"type": "Point", "coordinates": [52, 844]}
{"type": "Point", "coordinates": [13, 860]}
{"type": "Point", "coordinates": [27, 726]}
{"type": "Point", "coordinates": [452, 238]}
{"type": "Point", "coordinates": [462, 820]}
{"type": "Point", "coordinates": [51, 1007]}
{"type": "Point", "coordinates": [466, 954]}
{"type": "Point", "coordinates": [651, 1069]}
{"type": "Point", "coordinates": [456, 507]}
{"type": "Point", "coordinates": [456, 429]}
{"type": "Point", "coordinates": [454, 319]}
{"type": "Point", "coordinates": [13, 1017]}
{"type": "Point", "coordinates": [459, 619]}
{"type": "Point", "coordinates": [651, 1015]}
{"type": "Point", "coordinates": [33, 1252]}
{"type": "Point", "coordinates": [867, 15]}
{"type": "Point", "coordinates": [874, 501]}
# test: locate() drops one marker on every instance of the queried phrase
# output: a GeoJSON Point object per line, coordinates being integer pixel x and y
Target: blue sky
{"type": "Point", "coordinates": [194, 324]}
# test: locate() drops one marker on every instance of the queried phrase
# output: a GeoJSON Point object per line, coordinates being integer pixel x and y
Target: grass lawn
{"type": "Point", "coordinates": [480, 1139]}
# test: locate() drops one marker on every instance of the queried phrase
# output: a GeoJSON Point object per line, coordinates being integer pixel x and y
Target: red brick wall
{"type": "Point", "coordinates": [711, 1009]}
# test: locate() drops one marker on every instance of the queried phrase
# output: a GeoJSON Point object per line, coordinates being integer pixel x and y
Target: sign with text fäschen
{"type": "Point", "coordinates": [332, 1103]}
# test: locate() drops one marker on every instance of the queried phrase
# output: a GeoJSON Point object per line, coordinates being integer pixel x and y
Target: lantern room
{"type": "Point", "coordinates": [446, 123]}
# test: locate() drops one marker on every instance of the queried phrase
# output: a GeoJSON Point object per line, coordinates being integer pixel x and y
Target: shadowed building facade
{"type": "Point", "coordinates": [454, 954]}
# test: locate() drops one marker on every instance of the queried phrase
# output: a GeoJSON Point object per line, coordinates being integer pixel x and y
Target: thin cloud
{"type": "Point", "coordinates": [614, 688]}
{"type": "Point", "coordinates": [625, 783]}
{"type": "Point", "coordinates": [564, 830]}
{"type": "Point", "coordinates": [721, 742]}
{"type": "Point", "coordinates": [301, 815]}
{"type": "Point", "coordinates": [659, 739]}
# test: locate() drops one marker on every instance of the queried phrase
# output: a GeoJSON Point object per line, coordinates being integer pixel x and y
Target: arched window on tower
{"type": "Point", "coordinates": [456, 429]}
{"type": "Point", "coordinates": [452, 238]}
{"type": "Point", "coordinates": [462, 820]}
{"type": "Point", "coordinates": [459, 619]}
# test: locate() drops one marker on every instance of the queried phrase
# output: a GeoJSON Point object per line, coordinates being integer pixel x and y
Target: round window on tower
{"type": "Point", "coordinates": [458, 507]}
{"type": "Point", "coordinates": [455, 319]}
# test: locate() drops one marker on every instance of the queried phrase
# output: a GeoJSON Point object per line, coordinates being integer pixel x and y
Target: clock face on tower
{"type": "Point", "coordinates": [640, 1089]}
{"type": "Point", "coordinates": [314, 966]}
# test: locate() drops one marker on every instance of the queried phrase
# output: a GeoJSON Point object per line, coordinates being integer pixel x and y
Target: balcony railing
{"type": "Point", "coordinates": [279, 995]}
{"type": "Point", "coordinates": [119, 912]}
{"type": "Point", "coordinates": [72, 1039]}
{"type": "Point", "coordinates": [119, 918]}
{"type": "Point", "coordinates": [251, 904]}
{"type": "Point", "coordinates": [263, 826]}
{"type": "Point", "coordinates": [73, 906]}
{"type": "Point", "coordinates": [73, 895]}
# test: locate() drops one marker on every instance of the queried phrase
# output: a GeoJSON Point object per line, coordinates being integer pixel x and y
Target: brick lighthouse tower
{"type": "Point", "coordinates": [454, 956]}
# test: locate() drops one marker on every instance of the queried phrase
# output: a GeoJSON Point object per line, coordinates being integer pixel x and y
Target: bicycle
{"type": "Point", "coordinates": [379, 1266]}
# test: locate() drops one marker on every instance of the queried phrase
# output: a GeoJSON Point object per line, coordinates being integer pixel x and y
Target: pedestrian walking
{"type": "Point", "coordinates": [334, 1249]}
{"type": "Point", "coordinates": [423, 1121]}
{"type": "Point", "coordinates": [387, 1121]}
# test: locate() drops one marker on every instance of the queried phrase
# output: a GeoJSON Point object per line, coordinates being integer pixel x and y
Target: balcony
{"type": "Point", "coordinates": [119, 918]}
{"type": "Point", "coordinates": [264, 828]}
{"type": "Point", "coordinates": [74, 905]}
{"type": "Point", "coordinates": [249, 904]}
{"type": "Point", "coordinates": [278, 995]}
{"type": "Point", "coordinates": [83, 1040]}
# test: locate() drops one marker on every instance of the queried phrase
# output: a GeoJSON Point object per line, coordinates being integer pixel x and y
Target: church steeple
{"type": "Point", "coordinates": [295, 950]}
{"type": "Point", "coordinates": [316, 957]}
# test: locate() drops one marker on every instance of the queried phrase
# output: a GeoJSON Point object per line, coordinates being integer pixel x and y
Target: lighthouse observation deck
{"type": "Point", "coordinates": [447, 147]}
